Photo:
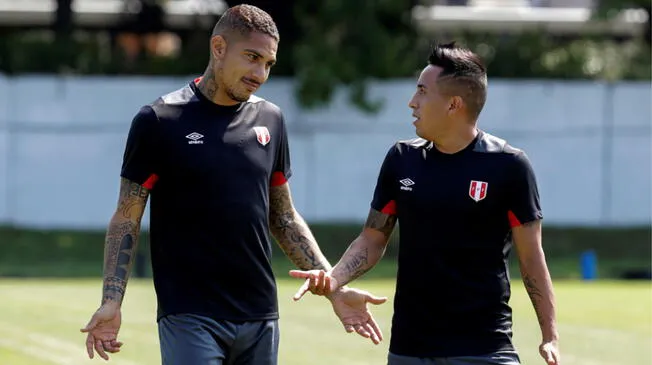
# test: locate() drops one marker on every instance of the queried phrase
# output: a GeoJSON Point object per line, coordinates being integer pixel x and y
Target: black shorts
{"type": "Point", "coordinates": [189, 339]}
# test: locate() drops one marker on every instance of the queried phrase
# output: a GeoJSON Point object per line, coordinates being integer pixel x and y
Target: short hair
{"type": "Point", "coordinates": [463, 74]}
{"type": "Point", "coordinates": [244, 19]}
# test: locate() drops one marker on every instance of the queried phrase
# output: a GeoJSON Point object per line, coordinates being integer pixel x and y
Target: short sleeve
{"type": "Point", "coordinates": [282, 169]}
{"type": "Point", "coordinates": [524, 205]}
{"type": "Point", "coordinates": [138, 162]}
{"type": "Point", "coordinates": [384, 199]}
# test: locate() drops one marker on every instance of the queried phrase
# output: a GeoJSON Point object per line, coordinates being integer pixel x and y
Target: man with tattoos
{"type": "Point", "coordinates": [461, 196]}
{"type": "Point", "coordinates": [215, 160]}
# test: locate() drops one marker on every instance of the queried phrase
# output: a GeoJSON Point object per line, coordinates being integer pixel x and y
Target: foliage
{"type": "Point", "coordinates": [333, 43]}
{"type": "Point", "coordinates": [348, 42]}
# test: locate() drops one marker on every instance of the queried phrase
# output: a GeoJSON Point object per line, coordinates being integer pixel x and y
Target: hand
{"type": "Point", "coordinates": [350, 306]}
{"type": "Point", "coordinates": [549, 350]}
{"type": "Point", "coordinates": [317, 282]}
{"type": "Point", "coordinates": [103, 331]}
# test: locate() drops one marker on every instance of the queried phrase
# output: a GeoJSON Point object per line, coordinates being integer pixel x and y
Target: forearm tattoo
{"type": "Point", "coordinates": [292, 233]}
{"type": "Point", "coordinates": [121, 240]}
{"type": "Point", "coordinates": [381, 221]}
{"type": "Point", "coordinates": [535, 295]}
{"type": "Point", "coordinates": [357, 264]}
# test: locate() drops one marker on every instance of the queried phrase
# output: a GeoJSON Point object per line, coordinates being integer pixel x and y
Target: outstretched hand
{"type": "Point", "coordinates": [318, 282]}
{"type": "Point", "coordinates": [350, 306]}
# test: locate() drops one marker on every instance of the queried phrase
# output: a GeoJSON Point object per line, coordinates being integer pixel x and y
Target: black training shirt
{"type": "Point", "coordinates": [209, 169]}
{"type": "Point", "coordinates": [455, 213]}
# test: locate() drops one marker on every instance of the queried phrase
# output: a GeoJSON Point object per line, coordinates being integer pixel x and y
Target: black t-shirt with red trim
{"type": "Point", "coordinates": [455, 213]}
{"type": "Point", "coordinates": [209, 169]}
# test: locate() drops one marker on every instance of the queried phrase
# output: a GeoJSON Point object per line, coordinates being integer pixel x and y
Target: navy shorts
{"type": "Point", "coordinates": [189, 339]}
{"type": "Point", "coordinates": [497, 358]}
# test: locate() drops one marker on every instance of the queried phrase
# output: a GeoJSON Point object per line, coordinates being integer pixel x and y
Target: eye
{"type": "Point", "coordinates": [252, 57]}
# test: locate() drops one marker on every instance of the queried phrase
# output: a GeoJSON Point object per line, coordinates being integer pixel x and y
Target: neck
{"type": "Point", "coordinates": [456, 140]}
{"type": "Point", "coordinates": [208, 86]}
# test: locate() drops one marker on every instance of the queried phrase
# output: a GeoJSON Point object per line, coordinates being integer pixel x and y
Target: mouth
{"type": "Point", "coordinates": [251, 84]}
{"type": "Point", "coordinates": [416, 119]}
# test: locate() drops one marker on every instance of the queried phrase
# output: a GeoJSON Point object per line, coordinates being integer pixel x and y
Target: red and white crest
{"type": "Point", "coordinates": [262, 135]}
{"type": "Point", "coordinates": [478, 190]}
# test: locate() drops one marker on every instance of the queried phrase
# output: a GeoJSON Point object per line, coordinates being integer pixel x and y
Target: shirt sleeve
{"type": "Point", "coordinates": [384, 199]}
{"type": "Point", "coordinates": [524, 205]}
{"type": "Point", "coordinates": [282, 169]}
{"type": "Point", "coordinates": [138, 162]}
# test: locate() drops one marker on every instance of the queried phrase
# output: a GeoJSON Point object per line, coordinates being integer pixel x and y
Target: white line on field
{"type": "Point", "coordinates": [35, 351]}
{"type": "Point", "coordinates": [73, 353]}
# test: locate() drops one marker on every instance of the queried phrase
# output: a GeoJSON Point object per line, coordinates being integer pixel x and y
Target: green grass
{"type": "Point", "coordinates": [62, 253]}
{"type": "Point", "coordinates": [601, 323]}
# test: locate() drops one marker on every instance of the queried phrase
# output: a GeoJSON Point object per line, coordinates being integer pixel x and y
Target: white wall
{"type": "Point", "coordinates": [61, 143]}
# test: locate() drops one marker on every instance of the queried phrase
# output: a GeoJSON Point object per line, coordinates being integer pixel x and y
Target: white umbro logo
{"type": "Point", "coordinates": [407, 182]}
{"type": "Point", "coordinates": [195, 138]}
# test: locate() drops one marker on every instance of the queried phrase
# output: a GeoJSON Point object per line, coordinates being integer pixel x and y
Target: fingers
{"type": "Point", "coordinates": [99, 347]}
{"type": "Point", "coordinates": [299, 274]}
{"type": "Point", "coordinates": [112, 346]}
{"type": "Point", "coordinates": [376, 331]}
{"type": "Point", "coordinates": [361, 329]}
{"type": "Point", "coordinates": [91, 324]}
{"type": "Point", "coordinates": [317, 282]}
{"type": "Point", "coordinates": [375, 300]}
{"type": "Point", "coordinates": [90, 341]}
{"type": "Point", "coordinates": [302, 290]}
{"type": "Point", "coordinates": [551, 356]}
{"type": "Point", "coordinates": [367, 330]}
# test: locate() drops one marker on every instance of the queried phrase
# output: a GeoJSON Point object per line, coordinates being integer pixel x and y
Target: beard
{"type": "Point", "coordinates": [231, 91]}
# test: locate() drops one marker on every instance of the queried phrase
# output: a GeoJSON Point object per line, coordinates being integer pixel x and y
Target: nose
{"type": "Point", "coordinates": [412, 104]}
{"type": "Point", "coordinates": [259, 74]}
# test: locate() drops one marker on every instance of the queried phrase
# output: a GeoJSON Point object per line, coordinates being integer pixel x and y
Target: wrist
{"type": "Point", "coordinates": [339, 290]}
{"type": "Point", "coordinates": [550, 336]}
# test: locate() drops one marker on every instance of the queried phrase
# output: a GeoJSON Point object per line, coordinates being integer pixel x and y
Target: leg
{"type": "Point", "coordinates": [190, 339]}
{"type": "Point", "coordinates": [497, 358]}
{"type": "Point", "coordinates": [256, 344]}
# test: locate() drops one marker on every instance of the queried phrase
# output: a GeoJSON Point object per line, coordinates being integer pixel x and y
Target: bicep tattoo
{"type": "Point", "coordinates": [381, 222]}
{"type": "Point", "coordinates": [133, 199]}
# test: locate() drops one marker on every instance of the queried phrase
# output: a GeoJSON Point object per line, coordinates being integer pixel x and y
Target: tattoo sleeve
{"type": "Point", "coordinates": [121, 240]}
{"type": "Point", "coordinates": [292, 232]}
{"type": "Point", "coordinates": [383, 222]}
{"type": "Point", "coordinates": [366, 250]}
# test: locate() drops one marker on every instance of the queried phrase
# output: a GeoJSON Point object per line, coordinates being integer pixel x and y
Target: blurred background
{"type": "Point", "coordinates": [569, 84]}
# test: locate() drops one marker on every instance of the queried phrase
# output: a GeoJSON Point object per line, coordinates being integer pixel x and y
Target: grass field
{"type": "Point", "coordinates": [601, 323]}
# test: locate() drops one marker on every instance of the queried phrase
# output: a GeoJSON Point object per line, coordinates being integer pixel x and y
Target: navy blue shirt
{"type": "Point", "coordinates": [455, 213]}
{"type": "Point", "coordinates": [209, 169]}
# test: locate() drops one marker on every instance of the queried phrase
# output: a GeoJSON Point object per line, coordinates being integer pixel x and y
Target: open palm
{"type": "Point", "coordinates": [350, 306]}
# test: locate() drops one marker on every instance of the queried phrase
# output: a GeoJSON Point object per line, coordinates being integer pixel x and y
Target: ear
{"type": "Point", "coordinates": [455, 104]}
{"type": "Point", "coordinates": [218, 47]}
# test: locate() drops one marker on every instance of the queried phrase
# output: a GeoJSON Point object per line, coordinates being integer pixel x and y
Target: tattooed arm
{"type": "Point", "coordinates": [121, 240]}
{"type": "Point", "coordinates": [367, 249]}
{"type": "Point", "coordinates": [527, 239]}
{"type": "Point", "coordinates": [292, 232]}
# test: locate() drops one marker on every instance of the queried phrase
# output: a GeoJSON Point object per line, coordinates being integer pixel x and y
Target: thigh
{"type": "Point", "coordinates": [256, 344]}
{"type": "Point", "coordinates": [189, 339]}
{"type": "Point", "coordinates": [393, 359]}
{"type": "Point", "coordinates": [496, 358]}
